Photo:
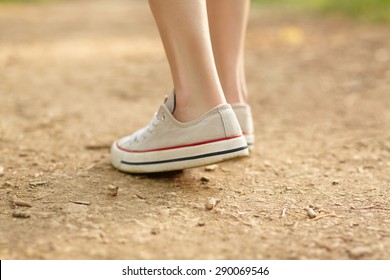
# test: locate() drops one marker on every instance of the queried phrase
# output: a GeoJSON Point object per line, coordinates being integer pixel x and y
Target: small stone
{"type": "Point", "coordinates": [360, 169]}
{"type": "Point", "coordinates": [211, 203]}
{"type": "Point", "coordinates": [140, 196]}
{"type": "Point", "coordinates": [37, 183]}
{"type": "Point", "coordinates": [1, 171]}
{"type": "Point", "coordinates": [8, 185]}
{"type": "Point", "coordinates": [283, 214]}
{"type": "Point", "coordinates": [311, 213]}
{"type": "Point", "coordinates": [204, 179]}
{"type": "Point", "coordinates": [201, 224]}
{"type": "Point", "coordinates": [212, 167]}
{"type": "Point", "coordinates": [335, 182]}
{"type": "Point", "coordinates": [21, 214]}
{"type": "Point", "coordinates": [113, 190]}
{"type": "Point", "coordinates": [155, 231]}
{"type": "Point", "coordinates": [21, 203]}
{"type": "Point", "coordinates": [359, 252]}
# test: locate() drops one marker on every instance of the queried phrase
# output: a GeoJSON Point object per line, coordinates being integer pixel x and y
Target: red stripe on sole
{"type": "Point", "coordinates": [247, 133]}
{"type": "Point", "coordinates": [177, 147]}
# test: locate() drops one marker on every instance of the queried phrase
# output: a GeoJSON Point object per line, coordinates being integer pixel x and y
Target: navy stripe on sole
{"type": "Point", "coordinates": [186, 158]}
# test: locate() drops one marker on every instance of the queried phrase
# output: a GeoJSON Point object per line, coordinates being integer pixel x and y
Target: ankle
{"type": "Point", "coordinates": [236, 97]}
{"type": "Point", "coordinates": [191, 107]}
{"type": "Point", "coordinates": [234, 91]}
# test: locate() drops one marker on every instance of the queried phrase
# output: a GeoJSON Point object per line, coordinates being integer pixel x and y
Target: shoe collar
{"type": "Point", "coordinates": [170, 102]}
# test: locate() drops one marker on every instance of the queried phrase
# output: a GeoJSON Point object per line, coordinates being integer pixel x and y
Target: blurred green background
{"type": "Point", "coordinates": [23, 1]}
{"type": "Point", "coordinates": [17, 1]}
{"type": "Point", "coordinates": [371, 10]}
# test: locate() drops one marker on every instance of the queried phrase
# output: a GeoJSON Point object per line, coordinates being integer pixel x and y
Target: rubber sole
{"type": "Point", "coordinates": [178, 158]}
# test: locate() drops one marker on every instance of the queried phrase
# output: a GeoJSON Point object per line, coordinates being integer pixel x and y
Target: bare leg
{"type": "Point", "coordinates": [228, 21]}
{"type": "Point", "coordinates": [184, 30]}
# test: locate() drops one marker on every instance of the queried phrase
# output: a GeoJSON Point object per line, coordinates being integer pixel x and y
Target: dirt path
{"type": "Point", "coordinates": [75, 76]}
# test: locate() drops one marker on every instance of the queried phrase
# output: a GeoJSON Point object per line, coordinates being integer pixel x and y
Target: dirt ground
{"type": "Point", "coordinates": [76, 75]}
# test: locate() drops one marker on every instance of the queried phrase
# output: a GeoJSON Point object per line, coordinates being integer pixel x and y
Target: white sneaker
{"type": "Point", "coordinates": [167, 144]}
{"type": "Point", "coordinates": [244, 116]}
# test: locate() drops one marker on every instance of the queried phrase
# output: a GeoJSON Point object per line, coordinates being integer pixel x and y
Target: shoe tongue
{"type": "Point", "coordinates": [170, 102]}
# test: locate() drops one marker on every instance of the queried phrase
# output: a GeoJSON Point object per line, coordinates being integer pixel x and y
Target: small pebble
{"type": "Point", "coordinates": [283, 214]}
{"type": "Point", "coordinates": [38, 183]}
{"type": "Point", "coordinates": [21, 203]}
{"type": "Point", "coordinates": [174, 194]}
{"type": "Point", "coordinates": [311, 213]}
{"type": "Point", "coordinates": [201, 224]}
{"type": "Point", "coordinates": [8, 185]}
{"type": "Point", "coordinates": [211, 203]}
{"type": "Point", "coordinates": [212, 167]}
{"type": "Point", "coordinates": [140, 196]}
{"type": "Point", "coordinates": [335, 182]}
{"type": "Point", "coordinates": [360, 169]}
{"type": "Point", "coordinates": [359, 252]}
{"type": "Point", "coordinates": [204, 179]}
{"type": "Point", "coordinates": [1, 171]}
{"type": "Point", "coordinates": [113, 190]}
{"type": "Point", "coordinates": [20, 214]}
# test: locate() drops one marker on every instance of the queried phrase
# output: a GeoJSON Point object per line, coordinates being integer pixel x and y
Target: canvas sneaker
{"type": "Point", "coordinates": [245, 119]}
{"type": "Point", "coordinates": [167, 144]}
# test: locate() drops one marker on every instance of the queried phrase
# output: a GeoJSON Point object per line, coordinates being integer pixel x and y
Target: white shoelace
{"type": "Point", "coordinates": [142, 133]}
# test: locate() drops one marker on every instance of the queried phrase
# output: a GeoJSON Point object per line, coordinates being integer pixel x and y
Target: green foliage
{"type": "Point", "coordinates": [373, 10]}
{"type": "Point", "coordinates": [21, 1]}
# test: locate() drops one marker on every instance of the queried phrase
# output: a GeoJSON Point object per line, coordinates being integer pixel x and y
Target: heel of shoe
{"type": "Point", "coordinates": [250, 140]}
{"type": "Point", "coordinates": [230, 121]}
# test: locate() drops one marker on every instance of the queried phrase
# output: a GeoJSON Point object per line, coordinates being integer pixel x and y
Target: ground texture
{"type": "Point", "coordinates": [76, 75]}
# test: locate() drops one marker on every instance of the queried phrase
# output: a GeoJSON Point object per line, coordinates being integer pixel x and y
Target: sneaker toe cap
{"type": "Point", "coordinates": [116, 155]}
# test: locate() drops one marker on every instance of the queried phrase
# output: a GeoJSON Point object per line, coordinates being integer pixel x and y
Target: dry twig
{"type": "Point", "coordinates": [80, 202]}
